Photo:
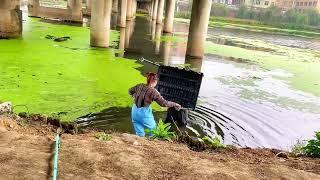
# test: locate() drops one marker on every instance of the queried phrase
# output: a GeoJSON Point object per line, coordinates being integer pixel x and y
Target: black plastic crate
{"type": "Point", "coordinates": [179, 85]}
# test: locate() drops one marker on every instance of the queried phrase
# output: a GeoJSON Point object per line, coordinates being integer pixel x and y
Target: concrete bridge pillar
{"type": "Point", "coordinates": [195, 63]}
{"type": "Point", "coordinates": [151, 8]}
{"type": "Point", "coordinates": [155, 9]}
{"type": "Point", "coordinates": [123, 13]}
{"type": "Point", "coordinates": [33, 8]}
{"type": "Point", "coordinates": [129, 9]}
{"type": "Point", "coordinates": [198, 28]}
{"type": "Point", "coordinates": [158, 38]}
{"type": "Point", "coordinates": [75, 10]}
{"type": "Point", "coordinates": [160, 11]}
{"type": "Point", "coordinates": [115, 6]}
{"type": "Point", "coordinates": [134, 8]}
{"type": "Point", "coordinates": [128, 34]}
{"type": "Point", "coordinates": [100, 23]}
{"type": "Point", "coordinates": [153, 30]}
{"type": "Point", "coordinates": [169, 16]}
{"type": "Point", "coordinates": [10, 19]}
{"type": "Point", "coordinates": [88, 6]}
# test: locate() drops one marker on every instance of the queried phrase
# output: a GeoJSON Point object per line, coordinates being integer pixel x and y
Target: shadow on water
{"type": "Point", "coordinates": [114, 118]}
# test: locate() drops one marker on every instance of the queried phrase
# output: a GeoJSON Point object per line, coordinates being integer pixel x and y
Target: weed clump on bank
{"type": "Point", "coordinates": [215, 142]}
{"type": "Point", "coordinates": [312, 148]}
{"type": "Point", "coordinates": [102, 136]}
{"type": "Point", "coordinates": [162, 132]}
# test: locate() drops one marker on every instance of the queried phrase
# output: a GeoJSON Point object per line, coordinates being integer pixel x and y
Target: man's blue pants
{"type": "Point", "coordinates": [142, 118]}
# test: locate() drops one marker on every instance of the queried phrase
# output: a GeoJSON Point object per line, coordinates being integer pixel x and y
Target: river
{"type": "Point", "coordinates": [259, 90]}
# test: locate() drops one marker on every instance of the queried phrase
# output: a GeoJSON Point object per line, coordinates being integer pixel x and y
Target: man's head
{"type": "Point", "coordinates": [152, 79]}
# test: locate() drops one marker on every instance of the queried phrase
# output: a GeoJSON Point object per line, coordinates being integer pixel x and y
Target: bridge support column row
{"type": "Point", "coordinates": [151, 8]}
{"type": "Point", "coordinates": [75, 10]}
{"type": "Point", "coordinates": [100, 23]}
{"type": "Point", "coordinates": [115, 4]}
{"type": "Point", "coordinates": [72, 13]}
{"type": "Point", "coordinates": [123, 13]}
{"type": "Point", "coordinates": [134, 8]}
{"type": "Point", "coordinates": [10, 19]}
{"type": "Point", "coordinates": [129, 9]}
{"type": "Point", "coordinates": [33, 8]}
{"type": "Point", "coordinates": [198, 28]}
{"type": "Point", "coordinates": [169, 16]}
{"type": "Point", "coordinates": [160, 11]}
{"type": "Point", "coordinates": [155, 9]}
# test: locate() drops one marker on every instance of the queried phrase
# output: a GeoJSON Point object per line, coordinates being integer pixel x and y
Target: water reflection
{"type": "Point", "coordinates": [195, 63]}
{"type": "Point", "coordinates": [122, 41]}
{"type": "Point", "coordinates": [114, 20]}
{"type": "Point", "coordinates": [239, 101]}
{"type": "Point", "coordinates": [158, 39]}
{"type": "Point", "coordinates": [153, 29]}
{"type": "Point", "coordinates": [166, 48]}
{"type": "Point", "coordinates": [128, 34]}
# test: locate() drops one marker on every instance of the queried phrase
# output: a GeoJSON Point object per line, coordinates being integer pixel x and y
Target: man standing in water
{"type": "Point", "coordinates": [144, 95]}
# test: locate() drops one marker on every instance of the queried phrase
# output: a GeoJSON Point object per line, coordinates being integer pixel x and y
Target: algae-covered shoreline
{"type": "Point", "coordinates": [70, 79]}
{"type": "Point", "coordinates": [303, 64]}
{"type": "Point", "coordinates": [66, 79]}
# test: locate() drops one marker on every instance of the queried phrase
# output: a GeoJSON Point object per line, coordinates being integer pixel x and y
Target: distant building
{"type": "Point", "coordinates": [183, 5]}
{"type": "Point", "coordinates": [307, 4]}
{"type": "Point", "coordinates": [260, 3]}
{"type": "Point", "coordinates": [285, 5]}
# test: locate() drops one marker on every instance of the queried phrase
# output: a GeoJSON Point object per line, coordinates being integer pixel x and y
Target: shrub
{"type": "Point", "coordinates": [312, 148]}
{"type": "Point", "coordinates": [215, 142]}
{"type": "Point", "coordinates": [183, 15]}
{"type": "Point", "coordinates": [297, 149]}
{"type": "Point", "coordinates": [162, 132]}
{"type": "Point", "coordinates": [102, 136]}
{"type": "Point", "coordinates": [219, 10]}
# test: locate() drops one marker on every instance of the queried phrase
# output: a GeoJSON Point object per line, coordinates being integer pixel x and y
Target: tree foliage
{"type": "Point", "coordinates": [275, 16]}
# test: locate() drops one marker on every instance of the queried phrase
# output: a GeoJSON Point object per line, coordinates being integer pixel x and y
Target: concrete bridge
{"type": "Point", "coordinates": [161, 12]}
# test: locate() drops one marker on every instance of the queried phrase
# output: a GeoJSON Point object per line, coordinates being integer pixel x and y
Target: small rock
{"type": "Point", "coordinates": [128, 138]}
{"type": "Point", "coordinates": [136, 143]}
{"type": "Point", "coordinates": [5, 107]}
{"type": "Point", "coordinates": [282, 155]}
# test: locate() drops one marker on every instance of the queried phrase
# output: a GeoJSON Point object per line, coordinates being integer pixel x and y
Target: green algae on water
{"type": "Point", "coordinates": [304, 64]}
{"type": "Point", "coordinates": [68, 78]}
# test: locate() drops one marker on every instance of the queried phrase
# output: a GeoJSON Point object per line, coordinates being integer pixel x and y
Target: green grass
{"type": "Point", "coordinates": [102, 136]}
{"type": "Point", "coordinates": [215, 142]}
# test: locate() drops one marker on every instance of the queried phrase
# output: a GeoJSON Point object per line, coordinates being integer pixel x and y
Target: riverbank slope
{"type": "Point", "coordinates": [27, 152]}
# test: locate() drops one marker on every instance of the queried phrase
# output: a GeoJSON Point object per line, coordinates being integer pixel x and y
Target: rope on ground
{"type": "Point", "coordinates": [56, 156]}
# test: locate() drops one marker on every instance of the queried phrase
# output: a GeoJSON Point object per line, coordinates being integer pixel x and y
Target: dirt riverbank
{"type": "Point", "coordinates": [26, 152]}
